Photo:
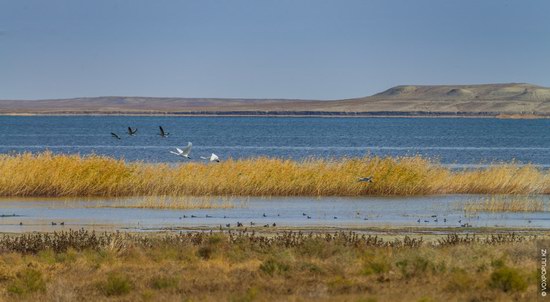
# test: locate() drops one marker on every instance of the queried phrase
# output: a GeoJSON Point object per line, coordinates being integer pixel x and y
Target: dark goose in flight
{"type": "Point", "coordinates": [162, 133]}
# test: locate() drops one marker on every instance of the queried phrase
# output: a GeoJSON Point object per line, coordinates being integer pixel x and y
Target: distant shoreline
{"type": "Point", "coordinates": [508, 100]}
{"type": "Point", "coordinates": [326, 114]}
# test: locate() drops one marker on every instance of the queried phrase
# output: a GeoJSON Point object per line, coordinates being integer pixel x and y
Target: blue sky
{"type": "Point", "coordinates": [266, 49]}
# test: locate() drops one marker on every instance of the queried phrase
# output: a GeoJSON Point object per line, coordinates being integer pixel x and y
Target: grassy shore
{"type": "Point", "coordinates": [49, 175]}
{"type": "Point", "coordinates": [83, 266]}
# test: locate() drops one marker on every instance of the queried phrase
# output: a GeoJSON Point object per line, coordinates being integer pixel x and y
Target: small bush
{"type": "Point", "coordinates": [376, 266]}
{"type": "Point", "coordinates": [116, 285]}
{"type": "Point", "coordinates": [205, 252]}
{"type": "Point", "coordinates": [162, 282]}
{"type": "Point", "coordinates": [272, 267]}
{"type": "Point", "coordinates": [460, 280]}
{"type": "Point", "coordinates": [508, 279]}
{"type": "Point", "coordinates": [414, 267]}
{"type": "Point", "coordinates": [497, 263]}
{"type": "Point", "coordinates": [27, 281]}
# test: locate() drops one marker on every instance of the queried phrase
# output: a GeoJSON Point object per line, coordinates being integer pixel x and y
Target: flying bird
{"type": "Point", "coordinates": [213, 157]}
{"type": "Point", "coordinates": [115, 135]}
{"type": "Point", "coordinates": [162, 133]}
{"type": "Point", "coordinates": [365, 179]}
{"type": "Point", "coordinates": [185, 152]}
{"type": "Point", "coordinates": [132, 131]}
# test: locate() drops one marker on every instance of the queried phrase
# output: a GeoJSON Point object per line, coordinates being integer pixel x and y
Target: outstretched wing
{"type": "Point", "coordinates": [161, 131]}
{"type": "Point", "coordinates": [175, 152]}
{"type": "Point", "coordinates": [187, 149]}
{"type": "Point", "coordinates": [214, 157]}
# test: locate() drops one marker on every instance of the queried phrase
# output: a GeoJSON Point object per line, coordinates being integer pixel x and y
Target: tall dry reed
{"type": "Point", "coordinates": [46, 174]}
{"type": "Point", "coordinates": [506, 203]}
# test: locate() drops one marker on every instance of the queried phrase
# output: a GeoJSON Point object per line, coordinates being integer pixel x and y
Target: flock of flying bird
{"type": "Point", "coordinates": [179, 152]}
{"type": "Point", "coordinates": [187, 150]}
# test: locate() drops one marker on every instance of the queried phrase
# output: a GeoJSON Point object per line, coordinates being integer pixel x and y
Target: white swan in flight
{"type": "Point", "coordinates": [213, 157]}
{"type": "Point", "coordinates": [185, 152]}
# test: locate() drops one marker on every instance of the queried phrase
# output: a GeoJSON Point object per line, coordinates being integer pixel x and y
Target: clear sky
{"type": "Point", "coordinates": [315, 49]}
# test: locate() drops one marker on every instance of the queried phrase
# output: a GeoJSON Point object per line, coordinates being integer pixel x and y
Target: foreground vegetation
{"type": "Point", "coordinates": [50, 175]}
{"type": "Point", "coordinates": [83, 266]}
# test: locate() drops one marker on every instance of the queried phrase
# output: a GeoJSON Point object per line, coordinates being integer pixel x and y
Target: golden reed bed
{"type": "Point", "coordinates": [49, 175]}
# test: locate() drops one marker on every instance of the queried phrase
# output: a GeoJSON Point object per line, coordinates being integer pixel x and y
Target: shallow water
{"type": "Point", "coordinates": [455, 142]}
{"type": "Point", "coordinates": [98, 214]}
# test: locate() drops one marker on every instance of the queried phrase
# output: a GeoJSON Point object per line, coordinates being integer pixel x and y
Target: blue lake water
{"type": "Point", "coordinates": [446, 212]}
{"type": "Point", "coordinates": [456, 142]}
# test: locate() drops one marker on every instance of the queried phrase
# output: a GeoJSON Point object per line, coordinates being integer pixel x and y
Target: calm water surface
{"type": "Point", "coordinates": [457, 142]}
{"type": "Point", "coordinates": [37, 214]}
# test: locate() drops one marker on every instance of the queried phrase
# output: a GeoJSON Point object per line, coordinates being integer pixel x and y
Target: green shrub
{"type": "Point", "coordinates": [272, 267]}
{"type": "Point", "coordinates": [508, 279]}
{"type": "Point", "coordinates": [459, 280]}
{"type": "Point", "coordinates": [116, 285]}
{"type": "Point", "coordinates": [162, 282]}
{"type": "Point", "coordinates": [27, 281]}
{"type": "Point", "coordinates": [498, 263]}
{"type": "Point", "coordinates": [376, 266]}
{"type": "Point", "coordinates": [414, 267]}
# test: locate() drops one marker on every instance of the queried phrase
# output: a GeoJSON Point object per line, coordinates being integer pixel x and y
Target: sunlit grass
{"type": "Point", "coordinates": [506, 203]}
{"type": "Point", "coordinates": [49, 175]}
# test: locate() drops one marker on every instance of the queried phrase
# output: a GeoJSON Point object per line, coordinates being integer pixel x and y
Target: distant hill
{"type": "Point", "coordinates": [416, 100]}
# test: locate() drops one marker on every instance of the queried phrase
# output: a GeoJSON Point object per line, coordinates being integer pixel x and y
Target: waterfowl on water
{"type": "Point", "coordinates": [115, 135]}
{"type": "Point", "coordinates": [132, 131]}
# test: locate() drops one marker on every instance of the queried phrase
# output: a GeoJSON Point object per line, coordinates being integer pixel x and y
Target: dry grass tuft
{"type": "Point", "coordinates": [49, 175]}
